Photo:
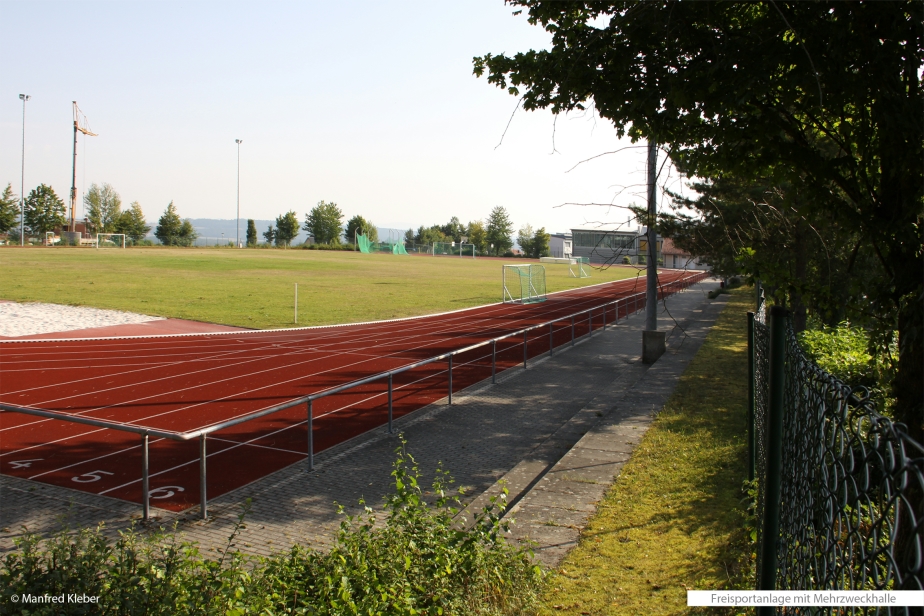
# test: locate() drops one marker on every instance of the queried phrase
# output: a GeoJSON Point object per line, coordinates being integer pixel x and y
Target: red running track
{"type": "Point", "coordinates": [185, 383]}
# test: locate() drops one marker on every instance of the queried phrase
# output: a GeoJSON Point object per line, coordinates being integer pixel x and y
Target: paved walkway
{"type": "Point", "coordinates": [556, 434]}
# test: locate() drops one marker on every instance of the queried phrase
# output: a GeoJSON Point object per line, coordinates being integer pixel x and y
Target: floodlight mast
{"type": "Point", "coordinates": [22, 185]}
{"type": "Point", "coordinates": [238, 142]}
{"type": "Point", "coordinates": [72, 225]}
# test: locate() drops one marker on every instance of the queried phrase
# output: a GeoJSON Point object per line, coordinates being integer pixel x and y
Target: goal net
{"type": "Point", "coordinates": [575, 265]}
{"type": "Point", "coordinates": [110, 240]}
{"type": "Point", "coordinates": [453, 249]}
{"type": "Point", "coordinates": [524, 284]}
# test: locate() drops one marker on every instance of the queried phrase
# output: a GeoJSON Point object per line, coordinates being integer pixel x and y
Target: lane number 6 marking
{"type": "Point", "coordinates": [90, 477]}
{"type": "Point", "coordinates": [165, 491]}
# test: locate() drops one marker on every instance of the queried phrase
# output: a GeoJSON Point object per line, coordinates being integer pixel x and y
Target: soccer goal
{"type": "Point", "coordinates": [452, 249]}
{"type": "Point", "coordinates": [575, 265]}
{"type": "Point", "coordinates": [524, 284]}
{"type": "Point", "coordinates": [110, 240]}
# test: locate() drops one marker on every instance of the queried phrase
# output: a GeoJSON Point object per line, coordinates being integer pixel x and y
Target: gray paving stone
{"type": "Point", "coordinates": [555, 435]}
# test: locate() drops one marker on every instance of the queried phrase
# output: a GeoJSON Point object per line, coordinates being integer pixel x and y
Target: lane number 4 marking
{"type": "Point", "coordinates": [24, 463]}
{"type": "Point", "coordinates": [90, 477]}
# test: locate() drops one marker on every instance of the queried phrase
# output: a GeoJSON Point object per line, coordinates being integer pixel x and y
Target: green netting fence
{"type": "Point", "coordinates": [840, 487]}
{"type": "Point", "coordinates": [366, 246]}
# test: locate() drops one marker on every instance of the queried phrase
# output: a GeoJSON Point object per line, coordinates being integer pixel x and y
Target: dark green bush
{"type": "Point", "coordinates": [843, 352]}
{"type": "Point", "coordinates": [419, 561]}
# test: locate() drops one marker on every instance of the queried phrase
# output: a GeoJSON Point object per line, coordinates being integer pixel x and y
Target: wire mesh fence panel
{"type": "Point", "coordinates": [851, 488]}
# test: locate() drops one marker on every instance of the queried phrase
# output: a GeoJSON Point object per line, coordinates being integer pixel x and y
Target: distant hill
{"type": "Point", "coordinates": [210, 230]}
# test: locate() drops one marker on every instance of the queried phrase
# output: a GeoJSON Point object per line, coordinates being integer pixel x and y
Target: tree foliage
{"type": "Point", "coordinates": [103, 208]}
{"type": "Point", "coordinates": [251, 233]}
{"type": "Point", "coordinates": [9, 209]}
{"type": "Point", "coordinates": [454, 230]}
{"type": "Point", "coordinates": [286, 228]}
{"type": "Point", "coordinates": [478, 236]}
{"type": "Point", "coordinates": [360, 225]}
{"type": "Point", "coordinates": [132, 223]}
{"type": "Point", "coordinates": [44, 210]}
{"type": "Point", "coordinates": [822, 96]}
{"type": "Point", "coordinates": [498, 231]}
{"type": "Point", "coordinates": [429, 235]}
{"type": "Point", "coordinates": [324, 222]}
{"type": "Point", "coordinates": [173, 231]}
{"type": "Point", "coordinates": [270, 235]}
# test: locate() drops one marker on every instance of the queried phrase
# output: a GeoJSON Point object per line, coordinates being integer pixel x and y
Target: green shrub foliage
{"type": "Point", "coordinates": [419, 560]}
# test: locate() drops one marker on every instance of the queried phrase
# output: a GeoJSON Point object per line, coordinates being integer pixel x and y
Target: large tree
{"type": "Point", "coordinates": [453, 229]}
{"type": "Point", "coordinates": [498, 230]}
{"type": "Point", "coordinates": [44, 210]}
{"type": "Point", "coordinates": [173, 231]}
{"type": "Point", "coordinates": [824, 96]}
{"type": "Point", "coordinates": [9, 209]}
{"type": "Point", "coordinates": [324, 222]}
{"type": "Point", "coordinates": [478, 236]}
{"type": "Point", "coordinates": [286, 228]}
{"type": "Point", "coordinates": [132, 223]}
{"type": "Point", "coordinates": [362, 226]}
{"type": "Point", "coordinates": [251, 233]}
{"type": "Point", "coordinates": [103, 208]}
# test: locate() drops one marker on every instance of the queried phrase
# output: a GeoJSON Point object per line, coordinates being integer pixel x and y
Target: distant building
{"type": "Point", "coordinates": [614, 247]}
{"type": "Point", "coordinates": [560, 245]}
{"type": "Point", "coordinates": [678, 258]}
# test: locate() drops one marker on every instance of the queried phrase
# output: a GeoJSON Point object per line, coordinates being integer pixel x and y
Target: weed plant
{"type": "Point", "coordinates": [423, 558]}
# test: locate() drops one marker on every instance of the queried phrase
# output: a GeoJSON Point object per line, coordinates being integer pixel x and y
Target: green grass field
{"type": "Point", "coordinates": [255, 288]}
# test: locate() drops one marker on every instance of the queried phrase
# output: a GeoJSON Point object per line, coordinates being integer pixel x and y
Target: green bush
{"type": "Point", "coordinates": [329, 247]}
{"type": "Point", "coordinates": [420, 561]}
{"type": "Point", "coordinates": [842, 351]}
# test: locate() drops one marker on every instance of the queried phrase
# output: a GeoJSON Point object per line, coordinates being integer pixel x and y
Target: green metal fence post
{"type": "Point", "coordinates": [771, 530]}
{"type": "Point", "coordinates": [751, 383]}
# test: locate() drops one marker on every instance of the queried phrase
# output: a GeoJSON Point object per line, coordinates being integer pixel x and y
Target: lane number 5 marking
{"type": "Point", "coordinates": [90, 477]}
{"type": "Point", "coordinates": [165, 491]}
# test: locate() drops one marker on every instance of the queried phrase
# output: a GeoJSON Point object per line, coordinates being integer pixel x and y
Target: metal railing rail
{"type": "Point", "coordinates": [202, 433]}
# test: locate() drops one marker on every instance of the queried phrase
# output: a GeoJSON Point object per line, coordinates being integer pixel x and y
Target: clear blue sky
{"type": "Point", "coordinates": [372, 105]}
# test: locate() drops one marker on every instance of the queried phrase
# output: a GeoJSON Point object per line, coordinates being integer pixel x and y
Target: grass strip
{"type": "Point", "coordinates": [256, 288]}
{"type": "Point", "coordinates": [672, 522]}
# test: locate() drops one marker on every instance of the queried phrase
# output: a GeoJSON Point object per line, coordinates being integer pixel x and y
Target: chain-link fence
{"type": "Point", "coordinates": [840, 487]}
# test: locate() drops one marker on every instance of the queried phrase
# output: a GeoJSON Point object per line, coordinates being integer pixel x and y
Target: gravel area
{"type": "Point", "coordinates": [33, 318]}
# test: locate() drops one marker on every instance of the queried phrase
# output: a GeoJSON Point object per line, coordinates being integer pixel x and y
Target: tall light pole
{"type": "Point", "coordinates": [22, 185]}
{"type": "Point", "coordinates": [238, 142]}
{"type": "Point", "coordinates": [652, 339]}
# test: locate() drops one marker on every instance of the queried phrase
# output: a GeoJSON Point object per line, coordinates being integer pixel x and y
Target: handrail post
{"type": "Point", "coordinates": [450, 378]}
{"type": "Point", "coordinates": [145, 480]}
{"type": "Point", "coordinates": [525, 347]}
{"type": "Point", "coordinates": [551, 339]}
{"type": "Point", "coordinates": [751, 383]}
{"type": "Point", "coordinates": [572, 331]}
{"type": "Point", "coordinates": [389, 403]}
{"type": "Point", "coordinates": [493, 362]}
{"type": "Point", "coordinates": [770, 535]}
{"type": "Point", "coordinates": [310, 434]}
{"type": "Point", "coordinates": [203, 495]}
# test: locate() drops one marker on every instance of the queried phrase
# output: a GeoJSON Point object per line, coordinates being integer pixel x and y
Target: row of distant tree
{"type": "Point", "coordinates": [45, 211]}
{"type": "Point", "coordinates": [324, 224]}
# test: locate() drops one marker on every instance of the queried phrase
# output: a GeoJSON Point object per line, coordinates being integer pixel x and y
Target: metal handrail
{"type": "Point", "coordinates": [308, 400]}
